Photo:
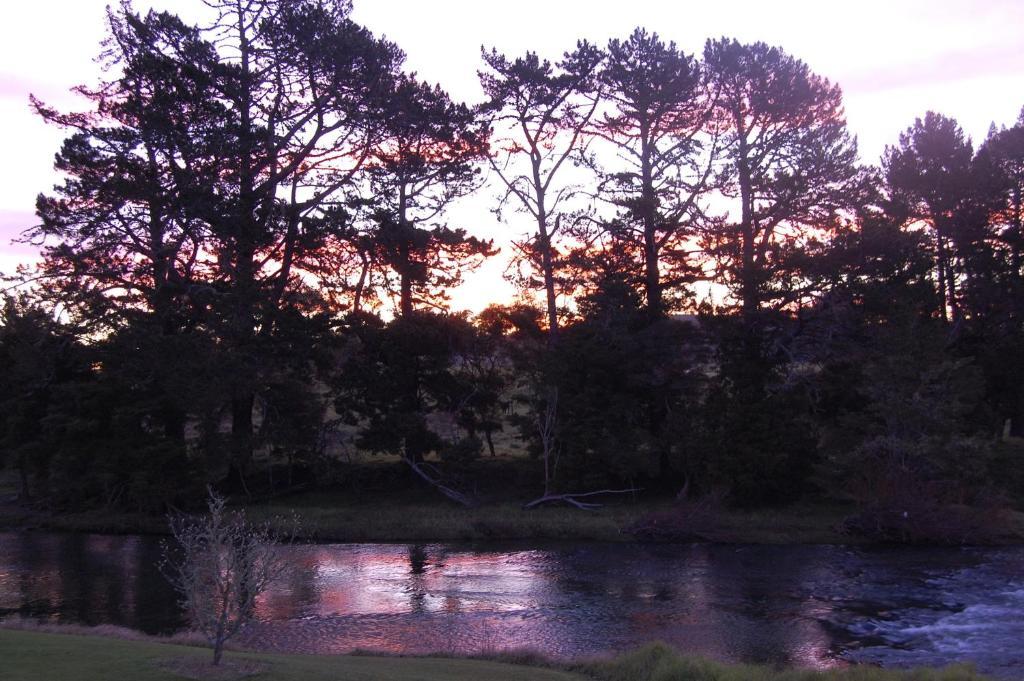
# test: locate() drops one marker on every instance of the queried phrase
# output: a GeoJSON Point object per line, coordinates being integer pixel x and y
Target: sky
{"type": "Point", "coordinates": [894, 59]}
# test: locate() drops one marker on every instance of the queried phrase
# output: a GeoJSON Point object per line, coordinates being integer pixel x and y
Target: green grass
{"type": "Point", "coordinates": [659, 662]}
{"type": "Point", "coordinates": [35, 656]}
{"type": "Point", "coordinates": [423, 520]}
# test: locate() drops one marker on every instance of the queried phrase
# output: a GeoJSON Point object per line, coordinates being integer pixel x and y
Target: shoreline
{"type": "Point", "coordinates": [409, 523]}
{"type": "Point", "coordinates": [35, 653]}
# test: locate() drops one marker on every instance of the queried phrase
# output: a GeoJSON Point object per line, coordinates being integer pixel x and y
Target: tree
{"type": "Point", "coordinates": [119, 246]}
{"type": "Point", "coordinates": [995, 284]}
{"type": "Point", "coordinates": [902, 427]}
{"type": "Point", "coordinates": [929, 172]}
{"type": "Point", "coordinates": [1003, 152]}
{"type": "Point", "coordinates": [789, 162]}
{"type": "Point", "coordinates": [540, 111]}
{"type": "Point", "coordinates": [305, 89]}
{"type": "Point", "coordinates": [657, 111]}
{"type": "Point", "coordinates": [223, 564]}
{"type": "Point", "coordinates": [36, 356]}
{"type": "Point", "coordinates": [425, 159]}
{"type": "Point", "coordinates": [200, 188]}
{"type": "Point", "coordinates": [401, 381]}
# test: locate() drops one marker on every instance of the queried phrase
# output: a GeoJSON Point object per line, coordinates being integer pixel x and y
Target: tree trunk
{"type": "Point", "coordinates": [749, 277]}
{"type": "Point", "coordinates": [941, 265]}
{"type": "Point", "coordinates": [551, 297]}
{"type": "Point", "coordinates": [652, 280]}
{"type": "Point", "coordinates": [241, 432]}
{"type": "Point", "coordinates": [405, 302]}
{"type": "Point", "coordinates": [405, 271]}
{"type": "Point", "coordinates": [648, 217]}
{"type": "Point", "coordinates": [364, 269]}
{"type": "Point", "coordinates": [244, 322]}
{"type": "Point", "coordinates": [1016, 237]}
{"type": "Point", "coordinates": [546, 255]}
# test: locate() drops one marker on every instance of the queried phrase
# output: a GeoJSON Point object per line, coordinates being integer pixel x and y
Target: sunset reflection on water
{"type": "Point", "coordinates": [813, 606]}
{"type": "Point", "coordinates": [564, 603]}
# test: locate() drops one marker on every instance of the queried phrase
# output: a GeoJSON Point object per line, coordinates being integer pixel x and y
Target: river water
{"type": "Point", "coordinates": [814, 606]}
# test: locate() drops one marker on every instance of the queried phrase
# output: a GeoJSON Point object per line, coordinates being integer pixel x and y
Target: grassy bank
{"type": "Point", "coordinates": [380, 503]}
{"type": "Point", "coordinates": [35, 656]}
{"type": "Point", "coordinates": [329, 517]}
{"type": "Point", "coordinates": [333, 517]}
{"type": "Point", "coordinates": [339, 517]}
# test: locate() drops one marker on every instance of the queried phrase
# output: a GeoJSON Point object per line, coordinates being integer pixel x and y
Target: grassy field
{"type": "Point", "coordinates": [35, 656]}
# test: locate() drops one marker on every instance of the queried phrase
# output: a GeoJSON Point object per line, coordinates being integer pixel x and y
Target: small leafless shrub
{"type": "Point", "coordinates": [220, 565]}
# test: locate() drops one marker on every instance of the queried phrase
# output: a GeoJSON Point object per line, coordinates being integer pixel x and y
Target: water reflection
{"type": "Point", "coordinates": [88, 579]}
{"type": "Point", "coordinates": [808, 605]}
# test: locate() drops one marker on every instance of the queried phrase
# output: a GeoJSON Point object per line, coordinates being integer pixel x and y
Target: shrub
{"type": "Point", "coordinates": [225, 563]}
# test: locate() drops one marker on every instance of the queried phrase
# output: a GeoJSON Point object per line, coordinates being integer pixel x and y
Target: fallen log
{"type": "Point", "coordinates": [450, 492]}
{"type": "Point", "coordinates": [573, 498]}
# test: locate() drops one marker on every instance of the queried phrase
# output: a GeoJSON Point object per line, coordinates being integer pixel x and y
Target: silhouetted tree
{"type": "Point", "coordinates": [306, 90]}
{"type": "Point", "coordinates": [1003, 153]}
{"type": "Point", "coordinates": [36, 355]}
{"type": "Point", "coordinates": [426, 158]}
{"type": "Point", "coordinates": [789, 163]}
{"type": "Point", "coordinates": [540, 110]}
{"type": "Point", "coordinates": [929, 172]}
{"type": "Point", "coordinates": [656, 120]}
{"type": "Point", "coordinates": [404, 385]}
{"type": "Point", "coordinates": [196, 186]}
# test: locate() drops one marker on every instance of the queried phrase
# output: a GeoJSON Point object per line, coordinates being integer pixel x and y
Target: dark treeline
{"type": "Point", "coordinates": [246, 266]}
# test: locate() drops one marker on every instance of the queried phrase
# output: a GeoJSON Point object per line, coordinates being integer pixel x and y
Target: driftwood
{"type": "Point", "coordinates": [434, 480]}
{"type": "Point", "coordinates": [573, 499]}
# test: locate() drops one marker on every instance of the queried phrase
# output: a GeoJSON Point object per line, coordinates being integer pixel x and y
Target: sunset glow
{"type": "Point", "coordinates": [893, 60]}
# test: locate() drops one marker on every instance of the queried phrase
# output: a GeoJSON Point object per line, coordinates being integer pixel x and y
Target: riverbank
{"type": "Point", "coordinates": [39, 656]}
{"type": "Point", "coordinates": [326, 517]}
{"type": "Point", "coordinates": [382, 506]}
{"type": "Point", "coordinates": [339, 518]}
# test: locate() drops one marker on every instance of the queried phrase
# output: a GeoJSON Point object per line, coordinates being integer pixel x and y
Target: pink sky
{"type": "Point", "coordinates": [895, 59]}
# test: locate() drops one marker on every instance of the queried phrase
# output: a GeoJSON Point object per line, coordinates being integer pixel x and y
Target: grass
{"type": "Point", "coordinates": [429, 520]}
{"type": "Point", "coordinates": [336, 518]}
{"type": "Point", "coordinates": [34, 656]}
{"type": "Point", "coordinates": [37, 656]}
{"type": "Point", "coordinates": [659, 662]}
{"type": "Point", "coordinates": [327, 518]}
{"type": "Point", "coordinates": [417, 517]}
{"type": "Point", "coordinates": [379, 502]}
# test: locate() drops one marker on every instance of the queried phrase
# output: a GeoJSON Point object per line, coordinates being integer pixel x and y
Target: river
{"type": "Point", "coordinates": [813, 606]}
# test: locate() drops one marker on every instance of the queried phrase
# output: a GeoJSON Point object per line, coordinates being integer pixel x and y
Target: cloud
{"type": "Point", "coordinates": [17, 88]}
{"type": "Point", "coordinates": [12, 224]}
{"type": "Point", "coordinates": [945, 67]}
